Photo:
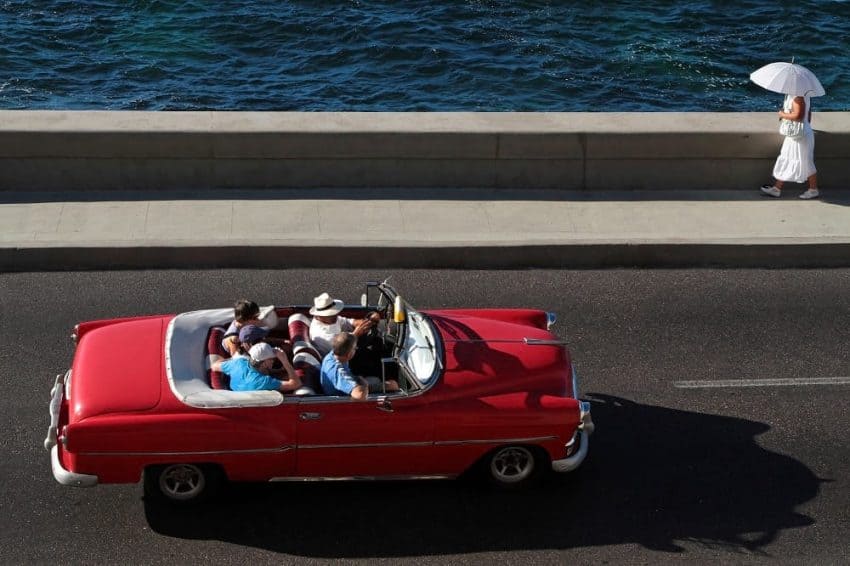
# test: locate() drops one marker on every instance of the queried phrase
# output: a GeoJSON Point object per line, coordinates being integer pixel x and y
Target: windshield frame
{"type": "Point", "coordinates": [425, 327]}
{"type": "Point", "coordinates": [404, 331]}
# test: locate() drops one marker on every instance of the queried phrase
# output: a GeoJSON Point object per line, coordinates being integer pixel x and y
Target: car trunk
{"type": "Point", "coordinates": [117, 369]}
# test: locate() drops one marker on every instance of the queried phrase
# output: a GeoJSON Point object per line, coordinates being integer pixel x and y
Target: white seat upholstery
{"type": "Point", "coordinates": [185, 364]}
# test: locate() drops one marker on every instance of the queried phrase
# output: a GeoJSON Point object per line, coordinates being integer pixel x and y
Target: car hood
{"type": "Point", "coordinates": [481, 349]}
{"type": "Point", "coordinates": [490, 325]}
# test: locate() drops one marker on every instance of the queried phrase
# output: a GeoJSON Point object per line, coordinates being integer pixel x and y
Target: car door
{"type": "Point", "coordinates": [343, 437]}
{"type": "Point", "coordinates": [253, 443]}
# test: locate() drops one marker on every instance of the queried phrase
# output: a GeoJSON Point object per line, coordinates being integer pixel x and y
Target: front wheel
{"type": "Point", "coordinates": [182, 483]}
{"type": "Point", "coordinates": [514, 466]}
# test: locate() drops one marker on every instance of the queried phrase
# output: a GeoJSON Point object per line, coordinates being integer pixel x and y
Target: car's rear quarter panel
{"type": "Point", "coordinates": [123, 416]}
{"type": "Point", "coordinates": [248, 443]}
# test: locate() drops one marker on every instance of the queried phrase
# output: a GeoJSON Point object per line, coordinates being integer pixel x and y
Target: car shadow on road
{"type": "Point", "coordinates": [659, 477]}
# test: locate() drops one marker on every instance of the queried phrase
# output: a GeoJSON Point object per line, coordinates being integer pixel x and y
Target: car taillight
{"type": "Point", "coordinates": [68, 376]}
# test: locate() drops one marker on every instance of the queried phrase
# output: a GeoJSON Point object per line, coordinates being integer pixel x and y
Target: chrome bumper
{"type": "Point", "coordinates": [56, 395]}
{"type": "Point", "coordinates": [65, 477]}
{"type": "Point", "coordinates": [62, 475]}
{"type": "Point", "coordinates": [582, 436]}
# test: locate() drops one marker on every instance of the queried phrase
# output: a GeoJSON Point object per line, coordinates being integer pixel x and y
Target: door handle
{"type": "Point", "coordinates": [385, 404]}
{"type": "Point", "coordinates": [310, 416]}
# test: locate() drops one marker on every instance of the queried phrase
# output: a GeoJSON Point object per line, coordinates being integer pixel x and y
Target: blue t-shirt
{"type": "Point", "coordinates": [244, 377]}
{"type": "Point", "coordinates": [336, 377]}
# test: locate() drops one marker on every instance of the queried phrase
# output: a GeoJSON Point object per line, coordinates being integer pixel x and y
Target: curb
{"type": "Point", "coordinates": [546, 256]}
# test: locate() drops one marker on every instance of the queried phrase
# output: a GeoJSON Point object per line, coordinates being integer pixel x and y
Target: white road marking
{"type": "Point", "coordinates": [763, 382]}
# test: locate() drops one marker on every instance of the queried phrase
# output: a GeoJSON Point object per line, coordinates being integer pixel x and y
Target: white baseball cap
{"type": "Point", "coordinates": [261, 352]}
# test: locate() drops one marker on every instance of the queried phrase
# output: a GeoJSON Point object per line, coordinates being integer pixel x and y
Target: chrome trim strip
{"type": "Point", "coordinates": [487, 340]}
{"type": "Point", "coordinates": [492, 441]}
{"type": "Point", "coordinates": [306, 401]}
{"type": "Point", "coordinates": [65, 477]}
{"type": "Point", "coordinates": [426, 443]}
{"type": "Point", "coordinates": [362, 478]}
{"type": "Point", "coordinates": [366, 445]}
{"type": "Point", "coordinates": [542, 342]}
{"type": "Point", "coordinates": [198, 453]}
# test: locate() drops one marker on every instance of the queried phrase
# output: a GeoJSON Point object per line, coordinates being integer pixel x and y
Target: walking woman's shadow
{"type": "Point", "coordinates": [655, 476]}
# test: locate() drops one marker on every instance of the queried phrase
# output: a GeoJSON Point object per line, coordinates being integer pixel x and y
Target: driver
{"type": "Point", "coordinates": [327, 323]}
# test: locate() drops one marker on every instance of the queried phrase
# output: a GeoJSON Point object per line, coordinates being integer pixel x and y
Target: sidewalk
{"type": "Point", "coordinates": [420, 228]}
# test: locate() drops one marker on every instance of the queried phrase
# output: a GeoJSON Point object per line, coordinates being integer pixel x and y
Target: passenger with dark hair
{"type": "Point", "coordinates": [245, 312]}
{"type": "Point", "coordinates": [249, 335]}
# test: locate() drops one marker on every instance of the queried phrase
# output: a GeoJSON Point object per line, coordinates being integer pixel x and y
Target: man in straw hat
{"type": "Point", "coordinates": [327, 323]}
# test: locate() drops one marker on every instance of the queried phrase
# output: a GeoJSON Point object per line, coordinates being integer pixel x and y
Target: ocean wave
{"type": "Point", "coordinates": [469, 55]}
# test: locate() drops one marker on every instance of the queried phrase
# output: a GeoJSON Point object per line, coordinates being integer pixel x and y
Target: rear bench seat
{"type": "Point", "coordinates": [215, 353]}
{"type": "Point", "coordinates": [187, 337]}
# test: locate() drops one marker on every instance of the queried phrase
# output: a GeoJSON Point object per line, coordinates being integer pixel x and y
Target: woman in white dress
{"type": "Point", "coordinates": [796, 161]}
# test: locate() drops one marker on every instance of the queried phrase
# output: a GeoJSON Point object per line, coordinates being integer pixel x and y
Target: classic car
{"type": "Point", "coordinates": [490, 391]}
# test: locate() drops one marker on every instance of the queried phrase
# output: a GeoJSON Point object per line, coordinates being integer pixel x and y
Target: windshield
{"type": "Point", "coordinates": [419, 352]}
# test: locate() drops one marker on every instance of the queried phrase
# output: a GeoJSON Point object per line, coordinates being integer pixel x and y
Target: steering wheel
{"type": "Point", "coordinates": [383, 326]}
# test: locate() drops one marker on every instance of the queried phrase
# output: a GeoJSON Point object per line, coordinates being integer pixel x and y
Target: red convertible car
{"type": "Point", "coordinates": [485, 390]}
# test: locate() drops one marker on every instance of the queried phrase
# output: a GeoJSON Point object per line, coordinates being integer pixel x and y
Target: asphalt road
{"type": "Point", "coordinates": [711, 474]}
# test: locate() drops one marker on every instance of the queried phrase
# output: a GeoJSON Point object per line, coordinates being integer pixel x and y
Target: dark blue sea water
{"type": "Point", "coordinates": [414, 55]}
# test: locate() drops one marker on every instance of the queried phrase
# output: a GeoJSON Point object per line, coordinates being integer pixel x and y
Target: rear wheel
{"type": "Point", "coordinates": [182, 483]}
{"type": "Point", "coordinates": [514, 466]}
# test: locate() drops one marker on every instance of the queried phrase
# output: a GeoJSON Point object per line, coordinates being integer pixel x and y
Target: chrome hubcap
{"type": "Point", "coordinates": [511, 465]}
{"type": "Point", "coordinates": [182, 481]}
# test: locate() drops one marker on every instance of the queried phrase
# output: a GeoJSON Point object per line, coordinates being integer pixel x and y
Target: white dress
{"type": "Point", "coordinates": [796, 161]}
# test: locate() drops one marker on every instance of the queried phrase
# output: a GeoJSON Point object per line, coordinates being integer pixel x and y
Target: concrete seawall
{"type": "Point", "coordinates": [65, 150]}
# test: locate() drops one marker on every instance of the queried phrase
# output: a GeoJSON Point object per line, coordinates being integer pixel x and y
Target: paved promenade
{"type": "Point", "coordinates": [420, 228]}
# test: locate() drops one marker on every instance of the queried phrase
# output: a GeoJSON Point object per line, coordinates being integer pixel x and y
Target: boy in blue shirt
{"type": "Point", "coordinates": [251, 373]}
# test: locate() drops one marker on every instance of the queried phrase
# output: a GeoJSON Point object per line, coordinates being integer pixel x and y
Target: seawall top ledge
{"type": "Point", "coordinates": [62, 121]}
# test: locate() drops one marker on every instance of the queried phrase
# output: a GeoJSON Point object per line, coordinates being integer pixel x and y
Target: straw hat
{"type": "Point", "coordinates": [324, 305]}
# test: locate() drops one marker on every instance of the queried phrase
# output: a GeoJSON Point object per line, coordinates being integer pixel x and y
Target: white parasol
{"type": "Point", "coordinates": [788, 78]}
